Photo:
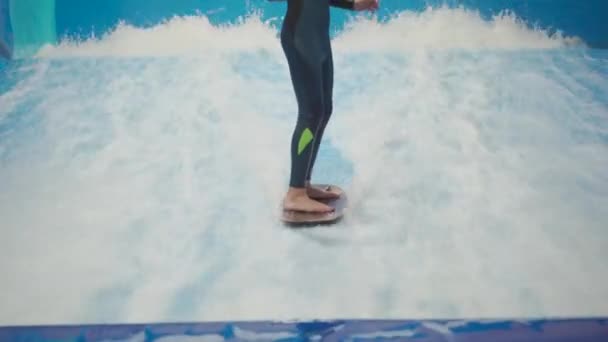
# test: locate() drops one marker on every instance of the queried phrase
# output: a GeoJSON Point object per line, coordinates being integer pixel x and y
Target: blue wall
{"type": "Point", "coordinates": [587, 19]}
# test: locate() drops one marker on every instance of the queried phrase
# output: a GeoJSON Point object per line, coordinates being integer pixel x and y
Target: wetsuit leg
{"type": "Point", "coordinates": [328, 84]}
{"type": "Point", "coordinates": [305, 41]}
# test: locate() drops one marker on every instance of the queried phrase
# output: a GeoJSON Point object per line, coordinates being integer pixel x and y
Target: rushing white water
{"type": "Point", "coordinates": [142, 174]}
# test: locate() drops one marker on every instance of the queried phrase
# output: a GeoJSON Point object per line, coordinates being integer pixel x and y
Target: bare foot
{"type": "Point", "coordinates": [317, 192]}
{"type": "Point", "coordinates": [298, 200]}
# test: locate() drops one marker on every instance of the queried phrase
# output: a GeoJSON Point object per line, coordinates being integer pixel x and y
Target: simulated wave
{"type": "Point", "coordinates": [439, 28]}
{"type": "Point", "coordinates": [146, 187]}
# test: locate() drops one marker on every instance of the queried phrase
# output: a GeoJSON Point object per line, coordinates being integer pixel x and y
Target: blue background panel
{"type": "Point", "coordinates": [579, 330]}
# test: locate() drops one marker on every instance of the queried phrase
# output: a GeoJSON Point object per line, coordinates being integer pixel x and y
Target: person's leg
{"type": "Point", "coordinates": [304, 137]}
{"type": "Point", "coordinates": [307, 83]}
{"type": "Point", "coordinates": [304, 55]}
{"type": "Point", "coordinates": [327, 110]}
{"type": "Point", "coordinates": [328, 80]}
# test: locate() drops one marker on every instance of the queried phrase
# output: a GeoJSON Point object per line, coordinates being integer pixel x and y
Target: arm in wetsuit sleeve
{"type": "Point", "coordinates": [346, 4]}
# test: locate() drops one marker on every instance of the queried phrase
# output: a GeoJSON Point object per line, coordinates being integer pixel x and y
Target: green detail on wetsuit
{"type": "Point", "coordinates": [305, 139]}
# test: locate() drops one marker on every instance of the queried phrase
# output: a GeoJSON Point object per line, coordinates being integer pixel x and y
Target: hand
{"type": "Point", "coordinates": [362, 5]}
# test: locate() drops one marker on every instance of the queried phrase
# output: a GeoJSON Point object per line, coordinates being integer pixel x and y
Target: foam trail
{"type": "Point", "coordinates": [440, 28]}
{"type": "Point", "coordinates": [179, 36]}
{"type": "Point", "coordinates": [146, 188]}
{"type": "Point", "coordinates": [447, 28]}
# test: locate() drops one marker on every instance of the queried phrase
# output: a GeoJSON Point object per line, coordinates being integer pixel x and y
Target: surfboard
{"type": "Point", "coordinates": [300, 219]}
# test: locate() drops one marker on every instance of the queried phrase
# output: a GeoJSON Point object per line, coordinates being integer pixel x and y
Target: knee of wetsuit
{"type": "Point", "coordinates": [312, 109]}
{"type": "Point", "coordinates": [311, 120]}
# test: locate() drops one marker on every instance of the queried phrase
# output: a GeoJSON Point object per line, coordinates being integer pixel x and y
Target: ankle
{"type": "Point", "coordinates": [296, 192]}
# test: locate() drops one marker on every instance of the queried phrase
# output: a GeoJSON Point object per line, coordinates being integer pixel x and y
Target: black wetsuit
{"type": "Point", "coordinates": [306, 43]}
